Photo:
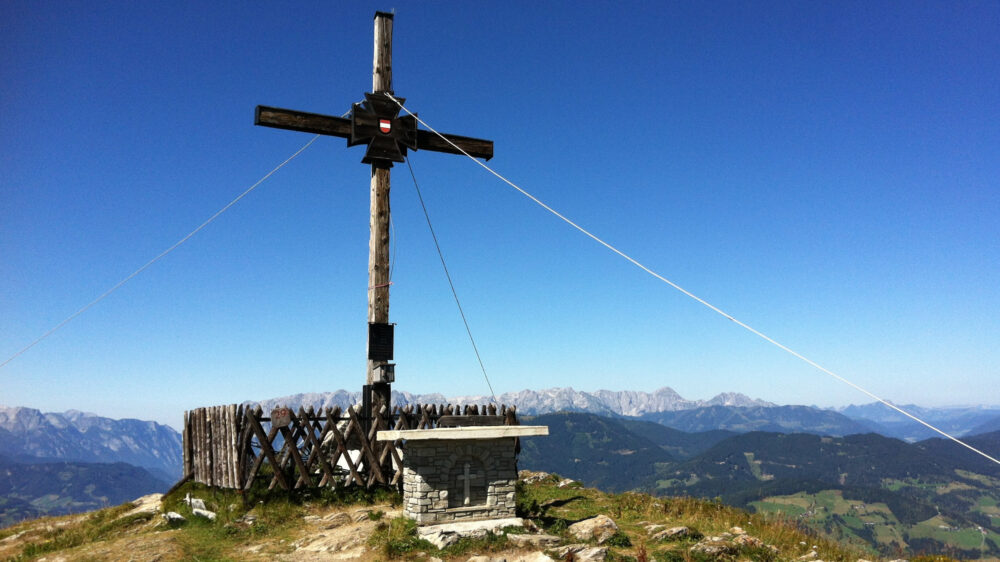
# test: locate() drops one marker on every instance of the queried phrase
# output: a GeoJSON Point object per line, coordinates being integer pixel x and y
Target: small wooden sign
{"type": "Point", "coordinates": [281, 417]}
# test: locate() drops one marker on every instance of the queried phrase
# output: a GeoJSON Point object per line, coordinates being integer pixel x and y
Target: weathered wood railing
{"type": "Point", "coordinates": [228, 446]}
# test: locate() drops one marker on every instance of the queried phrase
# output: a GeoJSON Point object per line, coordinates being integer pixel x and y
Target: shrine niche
{"type": "Point", "coordinates": [460, 473]}
{"type": "Point", "coordinates": [467, 483]}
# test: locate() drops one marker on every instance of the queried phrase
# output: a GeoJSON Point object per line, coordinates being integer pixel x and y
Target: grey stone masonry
{"type": "Point", "coordinates": [459, 480]}
{"type": "Point", "coordinates": [460, 474]}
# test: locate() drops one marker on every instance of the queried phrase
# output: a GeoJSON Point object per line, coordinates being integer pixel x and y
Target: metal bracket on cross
{"type": "Point", "coordinates": [376, 122]}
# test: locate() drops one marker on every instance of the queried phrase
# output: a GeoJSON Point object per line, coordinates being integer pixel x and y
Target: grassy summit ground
{"type": "Point", "coordinates": [319, 525]}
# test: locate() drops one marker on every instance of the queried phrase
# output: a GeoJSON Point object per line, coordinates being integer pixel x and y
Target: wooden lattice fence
{"type": "Point", "coordinates": [232, 446]}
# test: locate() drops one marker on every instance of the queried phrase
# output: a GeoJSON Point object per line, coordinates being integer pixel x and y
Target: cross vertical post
{"type": "Point", "coordinates": [378, 243]}
{"type": "Point", "coordinates": [376, 123]}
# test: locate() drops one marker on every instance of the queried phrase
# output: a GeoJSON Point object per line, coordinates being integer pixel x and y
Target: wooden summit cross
{"type": "Point", "coordinates": [376, 123]}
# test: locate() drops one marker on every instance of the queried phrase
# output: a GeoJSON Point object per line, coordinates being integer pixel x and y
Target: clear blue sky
{"type": "Point", "coordinates": [826, 171]}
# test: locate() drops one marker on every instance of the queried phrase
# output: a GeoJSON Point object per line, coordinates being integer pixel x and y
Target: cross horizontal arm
{"type": "Point", "coordinates": [341, 127]}
{"type": "Point", "coordinates": [302, 121]}
{"type": "Point", "coordinates": [479, 148]}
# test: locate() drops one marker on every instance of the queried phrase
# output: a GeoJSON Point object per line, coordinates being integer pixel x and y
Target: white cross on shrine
{"type": "Point", "coordinates": [467, 477]}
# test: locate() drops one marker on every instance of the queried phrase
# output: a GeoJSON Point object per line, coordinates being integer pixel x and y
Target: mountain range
{"type": "Point", "coordinates": [27, 433]}
{"type": "Point", "coordinates": [534, 402]}
{"type": "Point", "coordinates": [729, 411]}
{"type": "Point", "coordinates": [958, 421]}
{"type": "Point", "coordinates": [659, 441]}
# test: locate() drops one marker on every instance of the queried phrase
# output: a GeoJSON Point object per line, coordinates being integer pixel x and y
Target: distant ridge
{"type": "Point", "coordinates": [534, 402]}
{"type": "Point", "coordinates": [959, 420]}
{"type": "Point", "coordinates": [84, 437]}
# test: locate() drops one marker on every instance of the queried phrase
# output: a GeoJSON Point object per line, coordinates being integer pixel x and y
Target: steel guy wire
{"type": "Point", "coordinates": [450, 283]}
{"type": "Point", "coordinates": [691, 295]}
{"type": "Point", "coordinates": [114, 288]}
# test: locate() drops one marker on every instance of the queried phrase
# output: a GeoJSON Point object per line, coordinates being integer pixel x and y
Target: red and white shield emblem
{"type": "Point", "coordinates": [384, 125]}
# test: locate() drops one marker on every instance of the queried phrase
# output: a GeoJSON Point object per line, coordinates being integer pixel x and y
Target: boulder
{"type": "Point", "coordinates": [210, 515]}
{"type": "Point", "coordinates": [582, 553]}
{"type": "Point", "coordinates": [713, 548]}
{"type": "Point", "coordinates": [173, 517]}
{"type": "Point", "coordinates": [194, 503]}
{"type": "Point", "coordinates": [361, 515]}
{"type": "Point", "coordinates": [335, 520]}
{"type": "Point", "coordinates": [601, 528]}
{"type": "Point", "coordinates": [149, 503]}
{"type": "Point", "coordinates": [448, 533]}
{"type": "Point", "coordinates": [671, 534]}
{"type": "Point", "coordinates": [441, 539]}
{"type": "Point", "coordinates": [529, 477]}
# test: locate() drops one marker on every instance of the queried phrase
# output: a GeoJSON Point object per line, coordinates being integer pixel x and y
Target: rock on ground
{"type": "Point", "coordinates": [670, 534]}
{"type": "Point", "coordinates": [339, 535]}
{"type": "Point", "coordinates": [713, 548]}
{"type": "Point", "coordinates": [210, 515]}
{"type": "Point", "coordinates": [537, 541]}
{"type": "Point", "coordinates": [600, 528]}
{"type": "Point", "coordinates": [582, 553]}
{"type": "Point", "coordinates": [146, 504]}
{"type": "Point", "coordinates": [447, 534]}
{"type": "Point", "coordinates": [530, 477]}
{"type": "Point", "coordinates": [173, 517]}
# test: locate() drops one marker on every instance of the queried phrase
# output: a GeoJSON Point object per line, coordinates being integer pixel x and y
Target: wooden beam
{"type": "Point", "coordinates": [301, 121]}
{"type": "Point", "coordinates": [292, 120]}
{"type": "Point", "coordinates": [478, 148]}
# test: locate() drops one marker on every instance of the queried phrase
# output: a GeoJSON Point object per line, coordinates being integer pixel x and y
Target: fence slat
{"type": "Point", "coordinates": [218, 443]}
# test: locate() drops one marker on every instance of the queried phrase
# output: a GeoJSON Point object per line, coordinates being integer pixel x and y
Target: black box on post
{"type": "Point", "coordinates": [380, 341]}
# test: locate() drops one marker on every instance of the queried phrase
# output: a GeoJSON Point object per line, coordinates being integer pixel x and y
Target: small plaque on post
{"type": "Point", "coordinates": [380, 341]}
{"type": "Point", "coordinates": [281, 417]}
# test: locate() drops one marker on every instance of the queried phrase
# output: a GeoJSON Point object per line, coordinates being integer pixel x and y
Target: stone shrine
{"type": "Point", "coordinates": [460, 473]}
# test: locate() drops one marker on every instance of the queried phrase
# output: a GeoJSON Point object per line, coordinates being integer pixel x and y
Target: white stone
{"type": "Point", "coordinates": [600, 528]}
{"type": "Point", "coordinates": [146, 504]}
{"type": "Point", "coordinates": [173, 517]}
{"type": "Point", "coordinates": [671, 534]}
{"type": "Point", "coordinates": [448, 533]}
{"type": "Point", "coordinates": [583, 553]}
{"type": "Point", "coordinates": [210, 515]}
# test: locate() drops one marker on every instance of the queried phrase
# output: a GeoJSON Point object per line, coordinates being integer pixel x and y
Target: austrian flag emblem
{"type": "Point", "coordinates": [384, 125]}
